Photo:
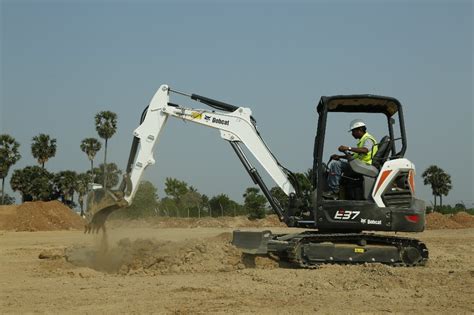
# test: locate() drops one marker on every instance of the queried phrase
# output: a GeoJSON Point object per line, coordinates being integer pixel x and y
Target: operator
{"type": "Point", "coordinates": [365, 150]}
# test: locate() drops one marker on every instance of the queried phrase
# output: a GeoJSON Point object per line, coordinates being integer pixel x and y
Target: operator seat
{"type": "Point", "coordinates": [379, 158]}
{"type": "Point", "coordinates": [370, 172]}
{"type": "Point", "coordinates": [382, 154]}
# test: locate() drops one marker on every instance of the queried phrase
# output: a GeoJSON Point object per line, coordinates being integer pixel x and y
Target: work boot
{"type": "Point", "coordinates": [333, 195]}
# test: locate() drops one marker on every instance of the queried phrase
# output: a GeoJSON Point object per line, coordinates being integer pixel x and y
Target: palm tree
{"type": "Point", "coordinates": [106, 125]}
{"type": "Point", "coordinates": [445, 186]}
{"type": "Point", "coordinates": [91, 146]}
{"type": "Point", "coordinates": [65, 182]}
{"type": "Point", "coordinates": [9, 155]}
{"type": "Point", "coordinates": [82, 181]}
{"type": "Point", "coordinates": [112, 172]}
{"type": "Point", "coordinates": [43, 148]}
{"type": "Point", "coordinates": [439, 180]}
{"type": "Point", "coordinates": [33, 183]}
{"type": "Point", "coordinates": [430, 176]}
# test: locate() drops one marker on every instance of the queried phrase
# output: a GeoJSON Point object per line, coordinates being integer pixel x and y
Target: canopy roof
{"type": "Point", "coordinates": [364, 103]}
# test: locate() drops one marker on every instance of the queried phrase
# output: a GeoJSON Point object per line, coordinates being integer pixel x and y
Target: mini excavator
{"type": "Point", "coordinates": [377, 197]}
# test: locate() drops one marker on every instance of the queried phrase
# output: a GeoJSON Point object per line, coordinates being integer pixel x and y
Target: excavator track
{"type": "Point", "coordinates": [311, 249]}
{"type": "Point", "coordinates": [355, 248]}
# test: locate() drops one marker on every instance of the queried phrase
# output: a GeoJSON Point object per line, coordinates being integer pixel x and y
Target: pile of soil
{"type": "Point", "coordinates": [39, 216]}
{"type": "Point", "coordinates": [152, 257]}
{"type": "Point", "coordinates": [463, 218]}
{"type": "Point", "coordinates": [460, 220]}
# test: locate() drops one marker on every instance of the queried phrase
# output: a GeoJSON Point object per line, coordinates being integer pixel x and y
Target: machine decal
{"type": "Point", "coordinates": [376, 222]}
{"type": "Point", "coordinates": [411, 180]}
{"type": "Point", "coordinates": [359, 250]}
{"type": "Point", "coordinates": [207, 117]}
{"type": "Point", "coordinates": [196, 115]}
{"type": "Point", "coordinates": [346, 214]}
{"type": "Point", "coordinates": [368, 221]}
{"type": "Point", "coordinates": [383, 177]}
{"type": "Point", "coordinates": [220, 121]}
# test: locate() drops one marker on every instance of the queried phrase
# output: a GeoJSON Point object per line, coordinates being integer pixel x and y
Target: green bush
{"type": "Point", "coordinates": [254, 203]}
{"type": "Point", "coordinates": [448, 209]}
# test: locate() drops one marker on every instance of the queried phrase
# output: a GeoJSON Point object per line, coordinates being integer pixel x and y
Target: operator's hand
{"type": "Point", "coordinates": [335, 157]}
{"type": "Point", "coordinates": [343, 148]}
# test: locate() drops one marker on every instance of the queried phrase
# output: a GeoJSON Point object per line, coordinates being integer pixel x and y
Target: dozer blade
{"type": "Point", "coordinates": [100, 204]}
{"type": "Point", "coordinates": [251, 242]}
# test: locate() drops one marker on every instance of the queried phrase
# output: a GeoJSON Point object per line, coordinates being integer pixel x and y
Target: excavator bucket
{"type": "Point", "coordinates": [100, 204]}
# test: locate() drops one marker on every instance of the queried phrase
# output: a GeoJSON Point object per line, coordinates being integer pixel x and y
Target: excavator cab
{"type": "Point", "coordinates": [378, 197]}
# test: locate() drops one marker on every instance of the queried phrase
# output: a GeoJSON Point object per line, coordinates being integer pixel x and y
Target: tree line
{"type": "Point", "coordinates": [185, 201]}
{"type": "Point", "coordinates": [37, 183]}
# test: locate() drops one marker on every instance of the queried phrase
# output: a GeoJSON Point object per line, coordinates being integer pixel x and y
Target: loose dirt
{"type": "Point", "coordinates": [155, 257]}
{"type": "Point", "coordinates": [189, 270]}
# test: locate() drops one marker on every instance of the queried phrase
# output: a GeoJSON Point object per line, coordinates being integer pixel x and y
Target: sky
{"type": "Point", "coordinates": [64, 61]}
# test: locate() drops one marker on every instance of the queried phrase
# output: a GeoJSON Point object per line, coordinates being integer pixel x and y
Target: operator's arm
{"type": "Point", "coordinates": [363, 150]}
{"type": "Point", "coordinates": [345, 149]}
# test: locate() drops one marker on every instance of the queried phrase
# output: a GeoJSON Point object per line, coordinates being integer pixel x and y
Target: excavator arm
{"type": "Point", "coordinates": [235, 124]}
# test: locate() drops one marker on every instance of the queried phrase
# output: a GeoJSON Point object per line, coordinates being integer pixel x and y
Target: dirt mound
{"type": "Point", "coordinates": [459, 220]}
{"type": "Point", "coordinates": [151, 257]}
{"type": "Point", "coordinates": [464, 218]}
{"type": "Point", "coordinates": [39, 216]}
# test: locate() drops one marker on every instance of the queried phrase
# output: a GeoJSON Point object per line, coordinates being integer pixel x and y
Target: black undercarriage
{"type": "Point", "coordinates": [312, 248]}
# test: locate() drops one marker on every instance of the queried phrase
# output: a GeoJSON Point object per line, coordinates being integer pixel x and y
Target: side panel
{"type": "Point", "coordinates": [344, 215]}
{"type": "Point", "coordinates": [352, 215]}
{"type": "Point", "coordinates": [388, 173]}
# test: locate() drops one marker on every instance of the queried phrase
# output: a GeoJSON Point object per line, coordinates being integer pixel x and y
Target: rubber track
{"type": "Point", "coordinates": [293, 253]}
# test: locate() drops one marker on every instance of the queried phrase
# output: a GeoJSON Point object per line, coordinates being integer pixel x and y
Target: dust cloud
{"type": "Point", "coordinates": [152, 257]}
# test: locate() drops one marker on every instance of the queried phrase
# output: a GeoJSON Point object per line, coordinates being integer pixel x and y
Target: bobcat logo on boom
{"type": "Point", "coordinates": [220, 121]}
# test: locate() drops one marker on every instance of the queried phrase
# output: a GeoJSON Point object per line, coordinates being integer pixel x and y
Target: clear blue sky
{"type": "Point", "coordinates": [64, 61]}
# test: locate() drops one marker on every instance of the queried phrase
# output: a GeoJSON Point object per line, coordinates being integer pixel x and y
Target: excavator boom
{"type": "Point", "coordinates": [235, 124]}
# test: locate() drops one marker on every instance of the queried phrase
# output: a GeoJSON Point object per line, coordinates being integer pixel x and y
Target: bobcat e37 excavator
{"type": "Point", "coordinates": [377, 197]}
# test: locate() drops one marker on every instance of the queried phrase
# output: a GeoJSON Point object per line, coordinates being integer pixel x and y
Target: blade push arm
{"type": "Point", "coordinates": [235, 125]}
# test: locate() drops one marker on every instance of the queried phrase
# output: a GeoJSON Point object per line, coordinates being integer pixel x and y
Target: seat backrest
{"type": "Point", "coordinates": [382, 153]}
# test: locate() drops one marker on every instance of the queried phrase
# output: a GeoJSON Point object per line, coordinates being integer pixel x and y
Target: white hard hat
{"type": "Point", "coordinates": [356, 123]}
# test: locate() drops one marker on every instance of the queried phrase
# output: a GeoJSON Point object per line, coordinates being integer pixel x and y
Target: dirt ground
{"type": "Point", "coordinates": [195, 270]}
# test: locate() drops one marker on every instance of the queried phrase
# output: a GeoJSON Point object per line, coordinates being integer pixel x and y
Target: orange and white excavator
{"type": "Point", "coordinates": [376, 197]}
